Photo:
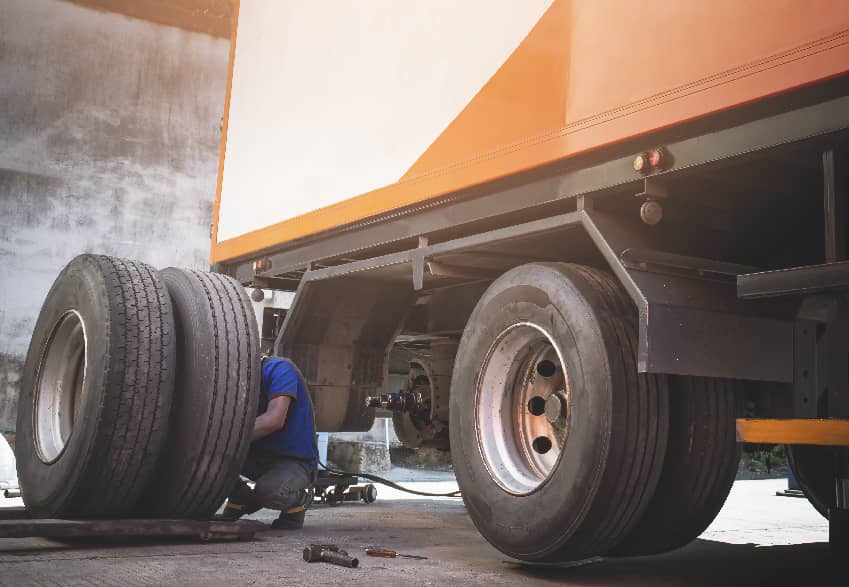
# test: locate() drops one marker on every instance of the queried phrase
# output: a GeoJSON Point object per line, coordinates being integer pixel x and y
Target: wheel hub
{"type": "Point", "coordinates": [59, 391]}
{"type": "Point", "coordinates": [522, 405]}
{"type": "Point", "coordinates": [555, 408]}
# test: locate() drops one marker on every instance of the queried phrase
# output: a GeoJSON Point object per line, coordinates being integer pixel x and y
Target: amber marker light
{"type": "Point", "coordinates": [640, 162]}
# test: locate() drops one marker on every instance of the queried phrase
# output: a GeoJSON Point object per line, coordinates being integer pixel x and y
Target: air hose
{"type": "Point", "coordinates": [389, 483]}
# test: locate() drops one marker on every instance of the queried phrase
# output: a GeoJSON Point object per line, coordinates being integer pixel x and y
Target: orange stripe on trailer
{"type": "Point", "coordinates": [820, 432]}
{"type": "Point", "coordinates": [225, 121]}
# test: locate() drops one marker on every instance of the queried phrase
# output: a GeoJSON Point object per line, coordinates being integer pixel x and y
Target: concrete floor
{"type": "Point", "coordinates": [757, 539]}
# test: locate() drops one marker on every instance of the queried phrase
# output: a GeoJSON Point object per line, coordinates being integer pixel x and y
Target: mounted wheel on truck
{"type": "Point", "coordinates": [613, 239]}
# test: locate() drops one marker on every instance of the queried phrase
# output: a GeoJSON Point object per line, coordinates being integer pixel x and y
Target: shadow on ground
{"type": "Point", "coordinates": [701, 563]}
{"type": "Point", "coordinates": [437, 529]}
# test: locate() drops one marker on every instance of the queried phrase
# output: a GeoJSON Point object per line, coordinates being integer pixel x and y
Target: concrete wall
{"type": "Point", "coordinates": [109, 137]}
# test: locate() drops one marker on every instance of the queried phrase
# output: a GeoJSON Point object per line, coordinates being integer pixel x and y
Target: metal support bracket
{"type": "Point", "coordinates": [418, 263]}
{"type": "Point", "coordinates": [691, 322]}
{"type": "Point", "coordinates": [805, 391]}
{"type": "Point", "coordinates": [834, 208]}
{"type": "Point", "coordinates": [821, 345]}
{"type": "Point", "coordinates": [653, 189]}
{"type": "Point", "coordinates": [651, 211]}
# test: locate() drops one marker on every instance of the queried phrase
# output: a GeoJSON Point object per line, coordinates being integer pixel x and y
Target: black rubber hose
{"type": "Point", "coordinates": [389, 483]}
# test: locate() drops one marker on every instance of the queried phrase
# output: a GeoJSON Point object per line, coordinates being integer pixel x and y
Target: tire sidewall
{"type": "Point", "coordinates": [519, 525]}
{"type": "Point", "coordinates": [812, 466]}
{"type": "Point", "coordinates": [49, 487]}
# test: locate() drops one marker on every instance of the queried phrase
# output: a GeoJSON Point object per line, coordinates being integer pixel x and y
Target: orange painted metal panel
{"type": "Point", "coordinates": [595, 73]}
{"type": "Point", "coordinates": [224, 123]}
{"type": "Point", "coordinates": [526, 98]}
{"type": "Point", "coordinates": [820, 432]}
{"type": "Point", "coordinates": [624, 56]}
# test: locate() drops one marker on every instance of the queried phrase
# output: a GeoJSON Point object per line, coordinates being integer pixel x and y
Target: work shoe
{"type": "Point", "coordinates": [291, 519]}
{"type": "Point", "coordinates": [234, 511]}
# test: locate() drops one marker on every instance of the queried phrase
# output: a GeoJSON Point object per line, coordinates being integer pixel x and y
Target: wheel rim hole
{"type": "Point", "coordinates": [541, 444]}
{"type": "Point", "coordinates": [536, 406]}
{"type": "Point", "coordinates": [546, 368]}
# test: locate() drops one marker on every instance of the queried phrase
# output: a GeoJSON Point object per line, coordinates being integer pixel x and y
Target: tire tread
{"type": "Point", "coordinates": [645, 421]}
{"type": "Point", "coordinates": [223, 439]}
{"type": "Point", "coordinates": [691, 490]}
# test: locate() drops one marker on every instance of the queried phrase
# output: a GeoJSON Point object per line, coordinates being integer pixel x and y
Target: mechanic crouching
{"type": "Point", "coordinates": [283, 456]}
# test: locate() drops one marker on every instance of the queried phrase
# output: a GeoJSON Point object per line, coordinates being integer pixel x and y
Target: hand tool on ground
{"type": "Point", "coordinates": [384, 553]}
{"type": "Point", "coordinates": [329, 553]}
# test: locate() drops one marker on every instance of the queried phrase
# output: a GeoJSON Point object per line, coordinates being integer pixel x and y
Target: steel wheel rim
{"type": "Point", "coordinates": [60, 386]}
{"type": "Point", "coordinates": [523, 408]}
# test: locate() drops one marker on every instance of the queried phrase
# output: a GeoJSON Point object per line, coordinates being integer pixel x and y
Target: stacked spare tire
{"type": "Point", "coordinates": [139, 392]}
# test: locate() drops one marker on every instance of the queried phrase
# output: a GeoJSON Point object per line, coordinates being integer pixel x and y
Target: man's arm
{"type": "Point", "coordinates": [273, 418]}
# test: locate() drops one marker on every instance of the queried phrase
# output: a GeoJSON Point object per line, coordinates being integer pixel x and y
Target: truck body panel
{"type": "Point", "coordinates": [391, 110]}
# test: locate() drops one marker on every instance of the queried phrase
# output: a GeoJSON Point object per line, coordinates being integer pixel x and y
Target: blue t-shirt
{"type": "Point", "coordinates": [297, 438]}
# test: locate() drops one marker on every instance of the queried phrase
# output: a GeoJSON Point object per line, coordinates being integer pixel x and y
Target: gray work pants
{"type": "Point", "coordinates": [281, 482]}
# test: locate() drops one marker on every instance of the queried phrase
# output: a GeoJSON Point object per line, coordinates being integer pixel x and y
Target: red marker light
{"type": "Point", "coordinates": [261, 265]}
{"type": "Point", "coordinates": [656, 158]}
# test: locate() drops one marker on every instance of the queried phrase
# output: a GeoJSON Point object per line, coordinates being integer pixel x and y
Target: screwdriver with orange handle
{"type": "Point", "coordinates": [384, 553]}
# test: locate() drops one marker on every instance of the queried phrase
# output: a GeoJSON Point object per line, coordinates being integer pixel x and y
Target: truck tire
{"type": "Point", "coordinates": [701, 462]}
{"type": "Point", "coordinates": [215, 395]}
{"type": "Point", "coordinates": [548, 353]}
{"type": "Point", "coordinates": [96, 390]}
{"type": "Point", "coordinates": [814, 470]}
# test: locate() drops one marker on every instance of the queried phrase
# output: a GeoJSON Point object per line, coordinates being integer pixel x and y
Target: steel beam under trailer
{"type": "Point", "coordinates": [15, 523]}
{"type": "Point", "coordinates": [828, 277]}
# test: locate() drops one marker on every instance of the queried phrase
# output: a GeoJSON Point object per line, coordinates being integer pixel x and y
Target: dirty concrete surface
{"type": "Point", "coordinates": [109, 143]}
{"type": "Point", "coordinates": [758, 538]}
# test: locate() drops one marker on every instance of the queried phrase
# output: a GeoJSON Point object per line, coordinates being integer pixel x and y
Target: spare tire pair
{"type": "Point", "coordinates": [139, 392]}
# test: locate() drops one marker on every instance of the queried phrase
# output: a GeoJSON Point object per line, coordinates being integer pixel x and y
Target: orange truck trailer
{"type": "Point", "coordinates": [606, 241]}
